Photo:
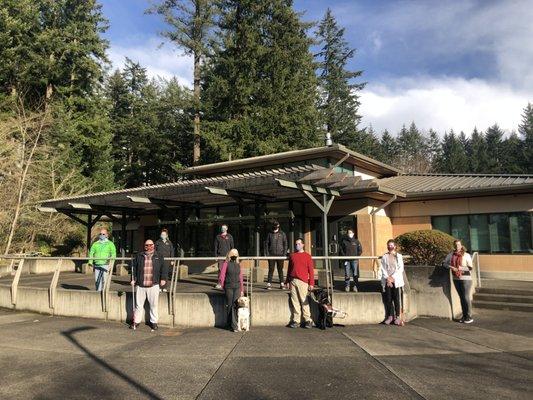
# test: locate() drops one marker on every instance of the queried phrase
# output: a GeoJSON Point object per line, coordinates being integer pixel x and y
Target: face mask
{"type": "Point", "coordinates": [233, 258]}
{"type": "Point", "coordinates": [102, 237]}
{"type": "Point", "coordinates": [390, 248]}
{"type": "Point", "coordinates": [164, 236]}
{"type": "Point", "coordinates": [224, 229]}
{"type": "Point", "coordinates": [276, 228]}
{"type": "Point", "coordinates": [350, 235]}
{"type": "Point", "coordinates": [299, 246]}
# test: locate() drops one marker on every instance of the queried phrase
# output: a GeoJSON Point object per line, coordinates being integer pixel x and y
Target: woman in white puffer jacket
{"type": "Point", "coordinates": [392, 282]}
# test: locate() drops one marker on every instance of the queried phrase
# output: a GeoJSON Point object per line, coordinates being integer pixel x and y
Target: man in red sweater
{"type": "Point", "coordinates": [301, 276]}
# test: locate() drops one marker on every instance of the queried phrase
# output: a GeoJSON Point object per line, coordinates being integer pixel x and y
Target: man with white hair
{"type": "Point", "coordinates": [149, 271]}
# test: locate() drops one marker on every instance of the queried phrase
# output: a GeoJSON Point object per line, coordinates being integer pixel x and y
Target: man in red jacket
{"type": "Point", "coordinates": [301, 276]}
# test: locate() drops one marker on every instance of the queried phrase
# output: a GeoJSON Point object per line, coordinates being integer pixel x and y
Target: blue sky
{"type": "Point", "coordinates": [444, 64]}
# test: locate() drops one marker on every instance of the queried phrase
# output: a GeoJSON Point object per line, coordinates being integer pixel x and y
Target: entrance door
{"type": "Point", "coordinates": [337, 228]}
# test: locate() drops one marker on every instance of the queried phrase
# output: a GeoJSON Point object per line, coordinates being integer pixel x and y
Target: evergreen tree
{"type": "Point", "coordinates": [412, 147]}
{"type": "Point", "coordinates": [260, 90]}
{"type": "Point", "coordinates": [511, 150]}
{"type": "Point", "coordinates": [453, 158]}
{"type": "Point", "coordinates": [526, 132]}
{"type": "Point", "coordinates": [477, 153]}
{"type": "Point", "coordinates": [389, 151]}
{"type": "Point", "coordinates": [338, 98]}
{"type": "Point", "coordinates": [494, 140]}
{"type": "Point", "coordinates": [433, 148]}
{"type": "Point", "coordinates": [190, 23]}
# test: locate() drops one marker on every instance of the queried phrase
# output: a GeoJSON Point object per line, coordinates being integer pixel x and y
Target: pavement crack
{"type": "Point", "coordinates": [220, 366]}
{"type": "Point", "coordinates": [382, 366]}
{"type": "Point", "coordinates": [473, 342]}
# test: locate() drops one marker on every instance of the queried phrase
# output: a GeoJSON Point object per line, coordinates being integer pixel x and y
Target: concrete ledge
{"type": "Point", "coordinates": [513, 276]}
{"type": "Point", "coordinates": [258, 274]}
{"type": "Point", "coordinates": [183, 272]}
{"type": "Point", "coordinates": [86, 269]}
{"type": "Point", "coordinates": [48, 266]}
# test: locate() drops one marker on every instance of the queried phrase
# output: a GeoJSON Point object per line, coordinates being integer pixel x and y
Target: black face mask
{"type": "Point", "coordinates": [233, 258]}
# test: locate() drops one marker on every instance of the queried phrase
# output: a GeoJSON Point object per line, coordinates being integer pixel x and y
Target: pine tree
{"type": "Point", "coordinates": [412, 146]}
{"type": "Point", "coordinates": [494, 139]}
{"type": "Point", "coordinates": [477, 153]}
{"type": "Point", "coordinates": [389, 150]}
{"type": "Point", "coordinates": [190, 24]}
{"type": "Point", "coordinates": [260, 90]}
{"type": "Point", "coordinates": [511, 151]}
{"type": "Point", "coordinates": [453, 158]}
{"type": "Point", "coordinates": [338, 99]}
{"type": "Point", "coordinates": [432, 149]}
{"type": "Point", "coordinates": [526, 132]}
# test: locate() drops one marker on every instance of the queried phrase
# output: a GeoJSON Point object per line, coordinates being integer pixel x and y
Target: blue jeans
{"type": "Point", "coordinates": [100, 275]}
{"type": "Point", "coordinates": [351, 272]}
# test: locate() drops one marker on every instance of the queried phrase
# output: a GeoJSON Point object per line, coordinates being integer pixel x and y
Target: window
{"type": "Point", "coordinates": [490, 233]}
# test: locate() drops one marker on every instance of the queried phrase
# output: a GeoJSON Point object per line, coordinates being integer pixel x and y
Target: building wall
{"type": "Point", "coordinates": [402, 225]}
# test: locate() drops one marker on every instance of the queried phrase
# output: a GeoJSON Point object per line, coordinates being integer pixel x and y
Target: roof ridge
{"type": "Point", "coordinates": [466, 175]}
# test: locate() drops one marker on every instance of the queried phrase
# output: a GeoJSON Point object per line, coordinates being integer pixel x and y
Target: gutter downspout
{"type": "Point", "coordinates": [373, 227]}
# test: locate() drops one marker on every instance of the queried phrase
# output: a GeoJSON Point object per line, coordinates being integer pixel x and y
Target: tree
{"type": "Point", "coordinates": [477, 153]}
{"type": "Point", "coordinates": [511, 151]}
{"type": "Point", "coordinates": [338, 98]}
{"type": "Point", "coordinates": [453, 158]}
{"type": "Point", "coordinates": [260, 87]}
{"type": "Point", "coordinates": [389, 151]}
{"type": "Point", "coordinates": [412, 150]}
{"type": "Point", "coordinates": [190, 23]}
{"type": "Point", "coordinates": [494, 140]}
{"type": "Point", "coordinates": [433, 148]}
{"type": "Point", "coordinates": [525, 129]}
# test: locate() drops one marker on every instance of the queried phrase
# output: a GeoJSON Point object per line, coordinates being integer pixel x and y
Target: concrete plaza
{"type": "Point", "coordinates": [44, 357]}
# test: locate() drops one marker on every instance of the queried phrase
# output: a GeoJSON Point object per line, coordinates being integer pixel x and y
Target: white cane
{"type": "Point", "coordinates": [133, 294]}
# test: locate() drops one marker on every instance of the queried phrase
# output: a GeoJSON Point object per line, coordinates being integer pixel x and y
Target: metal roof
{"type": "Point", "coordinates": [429, 185]}
{"type": "Point", "coordinates": [335, 151]}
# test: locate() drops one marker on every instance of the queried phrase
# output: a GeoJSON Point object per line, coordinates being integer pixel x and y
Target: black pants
{"type": "Point", "coordinates": [232, 294]}
{"type": "Point", "coordinates": [279, 264]}
{"type": "Point", "coordinates": [463, 290]}
{"type": "Point", "coordinates": [392, 295]}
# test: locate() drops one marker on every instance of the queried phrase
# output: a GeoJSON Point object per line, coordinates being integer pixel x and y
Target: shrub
{"type": "Point", "coordinates": [426, 247]}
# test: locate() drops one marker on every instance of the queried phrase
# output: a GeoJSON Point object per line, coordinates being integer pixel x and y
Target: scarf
{"type": "Point", "coordinates": [457, 261]}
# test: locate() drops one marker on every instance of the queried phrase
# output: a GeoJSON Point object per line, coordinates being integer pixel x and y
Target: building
{"type": "Point", "coordinates": [492, 214]}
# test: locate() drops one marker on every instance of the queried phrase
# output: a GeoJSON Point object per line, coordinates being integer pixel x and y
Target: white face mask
{"type": "Point", "coordinates": [350, 235]}
{"type": "Point", "coordinates": [164, 236]}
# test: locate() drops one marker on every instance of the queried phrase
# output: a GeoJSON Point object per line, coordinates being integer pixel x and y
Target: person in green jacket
{"type": "Point", "coordinates": [101, 253]}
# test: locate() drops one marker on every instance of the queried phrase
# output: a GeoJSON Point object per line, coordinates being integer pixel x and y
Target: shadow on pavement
{"type": "Point", "coordinates": [69, 335]}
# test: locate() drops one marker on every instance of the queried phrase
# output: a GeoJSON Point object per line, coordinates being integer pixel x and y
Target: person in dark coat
{"type": "Point", "coordinates": [232, 281]}
{"type": "Point", "coordinates": [223, 244]}
{"type": "Point", "coordinates": [165, 248]}
{"type": "Point", "coordinates": [276, 245]}
{"type": "Point", "coordinates": [147, 273]}
{"type": "Point", "coordinates": [351, 246]}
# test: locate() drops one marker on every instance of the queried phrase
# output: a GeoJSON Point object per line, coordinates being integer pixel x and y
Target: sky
{"type": "Point", "coordinates": [442, 64]}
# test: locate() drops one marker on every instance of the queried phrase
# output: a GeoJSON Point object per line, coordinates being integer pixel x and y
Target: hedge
{"type": "Point", "coordinates": [426, 247]}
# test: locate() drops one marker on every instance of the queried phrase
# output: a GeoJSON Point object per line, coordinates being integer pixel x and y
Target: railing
{"type": "Point", "coordinates": [177, 262]}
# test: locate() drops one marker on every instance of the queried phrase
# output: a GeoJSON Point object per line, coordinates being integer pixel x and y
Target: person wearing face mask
{"type": "Point", "coordinates": [351, 246]}
{"type": "Point", "coordinates": [149, 271]}
{"type": "Point", "coordinates": [231, 280]}
{"type": "Point", "coordinates": [276, 245]}
{"type": "Point", "coordinates": [101, 253]}
{"type": "Point", "coordinates": [460, 262]}
{"type": "Point", "coordinates": [223, 244]}
{"type": "Point", "coordinates": [165, 248]}
{"type": "Point", "coordinates": [301, 278]}
{"type": "Point", "coordinates": [392, 283]}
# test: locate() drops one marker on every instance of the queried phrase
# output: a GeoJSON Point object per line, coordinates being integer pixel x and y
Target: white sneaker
{"type": "Point", "coordinates": [282, 286]}
{"type": "Point", "coordinates": [217, 286]}
{"type": "Point", "coordinates": [269, 286]}
{"type": "Point", "coordinates": [468, 321]}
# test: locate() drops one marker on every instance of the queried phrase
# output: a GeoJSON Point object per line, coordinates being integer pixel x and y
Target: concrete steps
{"type": "Point", "coordinates": [504, 297]}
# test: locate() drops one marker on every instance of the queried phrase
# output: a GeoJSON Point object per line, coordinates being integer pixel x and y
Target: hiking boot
{"type": "Point", "coordinates": [293, 324]}
{"type": "Point", "coordinates": [389, 320]}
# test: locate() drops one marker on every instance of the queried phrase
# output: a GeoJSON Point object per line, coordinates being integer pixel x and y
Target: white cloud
{"type": "Point", "coordinates": [160, 61]}
{"type": "Point", "coordinates": [442, 104]}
